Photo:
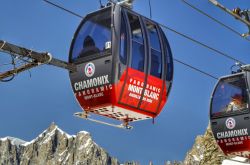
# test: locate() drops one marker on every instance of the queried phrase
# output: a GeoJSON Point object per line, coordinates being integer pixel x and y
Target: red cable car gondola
{"type": "Point", "coordinates": [124, 65]}
{"type": "Point", "coordinates": [230, 115]}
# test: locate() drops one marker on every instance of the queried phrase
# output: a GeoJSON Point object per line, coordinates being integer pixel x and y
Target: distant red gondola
{"type": "Point", "coordinates": [229, 113]}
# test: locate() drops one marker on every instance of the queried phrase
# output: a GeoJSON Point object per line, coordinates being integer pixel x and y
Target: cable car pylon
{"type": "Point", "coordinates": [236, 14]}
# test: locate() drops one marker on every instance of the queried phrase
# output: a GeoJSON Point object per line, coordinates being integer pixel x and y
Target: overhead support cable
{"type": "Point", "coordinates": [183, 35]}
{"type": "Point", "coordinates": [101, 5]}
{"type": "Point", "coordinates": [215, 20]}
{"type": "Point", "coordinates": [216, 3]}
{"type": "Point", "coordinates": [62, 8]}
{"type": "Point", "coordinates": [196, 69]}
{"type": "Point", "coordinates": [242, 16]}
{"type": "Point", "coordinates": [202, 44]}
{"type": "Point", "coordinates": [168, 28]}
{"type": "Point", "coordinates": [150, 9]}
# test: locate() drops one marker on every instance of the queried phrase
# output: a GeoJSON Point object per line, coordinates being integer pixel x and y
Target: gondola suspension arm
{"type": "Point", "coordinates": [238, 17]}
{"type": "Point", "coordinates": [36, 59]}
{"type": "Point", "coordinates": [216, 3]}
{"type": "Point", "coordinates": [127, 3]}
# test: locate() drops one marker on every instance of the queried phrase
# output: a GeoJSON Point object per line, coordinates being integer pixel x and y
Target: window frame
{"type": "Point", "coordinates": [123, 17]}
{"type": "Point", "coordinates": [144, 35]}
{"type": "Point", "coordinates": [162, 51]}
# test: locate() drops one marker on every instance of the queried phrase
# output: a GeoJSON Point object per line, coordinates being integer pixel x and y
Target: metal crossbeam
{"type": "Point", "coordinates": [36, 59]}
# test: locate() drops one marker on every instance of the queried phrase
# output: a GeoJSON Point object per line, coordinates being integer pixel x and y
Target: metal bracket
{"type": "Point", "coordinates": [245, 67]}
{"type": "Point", "coordinates": [85, 115]}
{"type": "Point", "coordinates": [127, 3]}
{"type": "Point", "coordinates": [245, 35]}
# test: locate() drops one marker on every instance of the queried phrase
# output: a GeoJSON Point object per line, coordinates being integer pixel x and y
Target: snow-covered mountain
{"type": "Point", "coordinates": [54, 147]}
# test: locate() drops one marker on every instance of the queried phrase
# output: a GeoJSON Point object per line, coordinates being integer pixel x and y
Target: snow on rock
{"type": "Point", "coordinates": [4, 139]}
{"type": "Point", "coordinates": [14, 141]}
{"type": "Point", "coordinates": [83, 132]}
{"type": "Point", "coordinates": [196, 158]}
{"type": "Point", "coordinates": [66, 159]}
{"type": "Point", "coordinates": [62, 132]}
{"type": "Point", "coordinates": [28, 143]}
{"type": "Point", "coordinates": [88, 142]}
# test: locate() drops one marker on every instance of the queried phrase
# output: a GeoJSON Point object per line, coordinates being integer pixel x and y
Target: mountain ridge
{"type": "Point", "coordinates": [54, 146]}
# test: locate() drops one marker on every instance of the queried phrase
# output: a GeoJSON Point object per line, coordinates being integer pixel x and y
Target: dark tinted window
{"type": "Point", "coordinates": [138, 54]}
{"type": "Point", "coordinates": [230, 96]}
{"type": "Point", "coordinates": [156, 56]}
{"type": "Point", "coordinates": [123, 42]}
{"type": "Point", "coordinates": [168, 57]}
{"type": "Point", "coordinates": [94, 36]}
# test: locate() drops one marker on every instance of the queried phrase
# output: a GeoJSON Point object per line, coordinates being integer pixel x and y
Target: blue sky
{"type": "Point", "coordinates": [29, 105]}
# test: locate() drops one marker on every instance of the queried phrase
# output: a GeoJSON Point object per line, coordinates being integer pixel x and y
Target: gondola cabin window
{"type": "Point", "coordinates": [138, 53]}
{"type": "Point", "coordinates": [230, 96]}
{"type": "Point", "coordinates": [155, 49]}
{"type": "Point", "coordinates": [168, 58]}
{"type": "Point", "coordinates": [123, 41]}
{"type": "Point", "coordinates": [94, 37]}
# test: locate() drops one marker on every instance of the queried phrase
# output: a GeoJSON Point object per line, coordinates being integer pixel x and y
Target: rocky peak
{"type": "Point", "coordinates": [205, 151]}
{"type": "Point", "coordinates": [52, 127]}
{"type": "Point", "coordinates": [54, 146]}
